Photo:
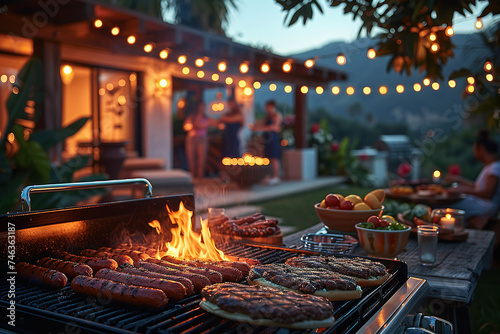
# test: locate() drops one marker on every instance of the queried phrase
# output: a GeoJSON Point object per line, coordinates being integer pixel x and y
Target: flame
{"type": "Point", "coordinates": [448, 216]}
{"type": "Point", "coordinates": [186, 243]}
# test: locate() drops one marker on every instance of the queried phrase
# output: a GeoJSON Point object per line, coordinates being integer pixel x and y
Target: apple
{"type": "Point", "coordinates": [332, 200]}
{"type": "Point", "coordinates": [346, 205]}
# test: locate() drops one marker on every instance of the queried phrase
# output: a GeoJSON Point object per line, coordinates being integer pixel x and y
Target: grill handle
{"type": "Point", "coordinates": [45, 188]}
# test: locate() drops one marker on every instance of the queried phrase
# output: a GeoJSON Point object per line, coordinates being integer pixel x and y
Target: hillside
{"type": "Point", "coordinates": [418, 110]}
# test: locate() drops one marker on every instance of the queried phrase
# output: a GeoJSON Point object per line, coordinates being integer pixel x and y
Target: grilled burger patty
{"type": "Point", "coordinates": [259, 302]}
{"type": "Point", "coordinates": [356, 267]}
{"type": "Point", "coordinates": [305, 280]}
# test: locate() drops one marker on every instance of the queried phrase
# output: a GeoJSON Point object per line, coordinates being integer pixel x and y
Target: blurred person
{"type": "Point", "coordinates": [232, 121]}
{"type": "Point", "coordinates": [483, 194]}
{"type": "Point", "coordinates": [272, 141]}
{"type": "Point", "coordinates": [196, 125]}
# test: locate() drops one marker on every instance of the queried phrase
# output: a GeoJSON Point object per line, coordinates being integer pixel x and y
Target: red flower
{"type": "Point", "coordinates": [335, 146]}
{"type": "Point", "coordinates": [454, 169]}
{"type": "Point", "coordinates": [404, 169]}
{"type": "Point", "coordinates": [315, 128]}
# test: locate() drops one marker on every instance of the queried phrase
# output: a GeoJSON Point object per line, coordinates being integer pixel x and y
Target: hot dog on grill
{"type": "Point", "coordinates": [173, 290]}
{"type": "Point", "coordinates": [212, 275]}
{"type": "Point", "coordinates": [130, 294]}
{"type": "Point", "coordinates": [199, 281]}
{"type": "Point", "coordinates": [41, 276]}
{"type": "Point", "coordinates": [229, 274]}
{"type": "Point", "coordinates": [120, 259]}
{"type": "Point", "coordinates": [188, 284]}
{"type": "Point", "coordinates": [94, 262]}
{"type": "Point", "coordinates": [69, 268]}
{"type": "Point", "coordinates": [135, 255]}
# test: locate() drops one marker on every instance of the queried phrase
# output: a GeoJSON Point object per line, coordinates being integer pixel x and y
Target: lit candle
{"type": "Point", "coordinates": [436, 176]}
{"type": "Point", "coordinates": [447, 222]}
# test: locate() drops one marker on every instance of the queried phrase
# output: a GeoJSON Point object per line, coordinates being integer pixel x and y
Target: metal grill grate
{"type": "Point", "coordinates": [56, 310]}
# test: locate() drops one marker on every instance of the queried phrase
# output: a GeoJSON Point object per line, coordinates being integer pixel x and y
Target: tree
{"type": "Point", "coordinates": [413, 32]}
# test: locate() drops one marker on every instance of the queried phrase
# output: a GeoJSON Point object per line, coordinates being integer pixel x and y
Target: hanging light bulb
{"type": "Point", "coordinates": [341, 60]}
{"type": "Point", "coordinates": [319, 90]}
{"type": "Point", "coordinates": [488, 66]}
{"type": "Point", "coordinates": [471, 80]}
{"type": "Point", "coordinates": [449, 31]}
{"type": "Point", "coordinates": [434, 47]}
{"type": "Point", "coordinates": [164, 54]}
{"type": "Point", "coordinates": [131, 39]}
{"type": "Point", "coordinates": [215, 77]}
{"type": "Point", "coordinates": [200, 74]}
{"type": "Point", "coordinates": [417, 87]}
{"type": "Point", "coordinates": [257, 85]}
{"type": "Point", "coordinates": [479, 24]}
{"type": "Point", "coordinates": [435, 85]}
{"type": "Point", "coordinates": [371, 53]}
{"type": "Point", "coordinates": [272, 87]}
{"type": "Point", "coordinates": [182, 59]}
{"type": "Point", "coordinates": [199, 62]}
{"type": "Point", "coordinates": [185, 70]}
{"type": "Point", "coordinates": [432, 37]}
{"type": "Point", "coordinates": [382, 90]}
{"type": "Point", "coordinates": [229, 81]}
{"type": "Point", "coordinates": [335, 90]}
{"type": "Point", "coordinates": [222, 67]}
{"type": "Point", "coordinates": [148, 47]}
{"type": "Point", "coordinates": [309, 63]}
{"type": "Point", "coordinates": [115, 31]}
{"type": "Point", "coordinates": [350, 90]}
{"type": "Point", "coordinates": [452, 83]}
{"type": "Point", "coordinates": [470, 89]}
{"type": "Point", "coordinates": [304, 89]}
{"type": "Point", "coordinates": [248, 91]}
{"type": "Point", "coordinates": [244, 68]}
{"type": "Point", "coordinates": [287, 67]}
{"type": "Point", "coordinates": [367, 90]}
{"type": "Point", "coordinates": [265, 68]}
{"type": "Point", "coordinates": [288, 89]}
{"type": "Point", "coordinates": [242, 83]}
{"type": "Point", "coordinates": [400, 89]}
{"type": "Point", "coordinates": [98, 23]}
{"type": "Point", "coordinates": [489, 77]}
{"type": "Point", "coordinates": [426, 82]}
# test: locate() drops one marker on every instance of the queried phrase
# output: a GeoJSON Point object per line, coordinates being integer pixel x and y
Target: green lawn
{"type": "Point", "coordinates": [297, 211]}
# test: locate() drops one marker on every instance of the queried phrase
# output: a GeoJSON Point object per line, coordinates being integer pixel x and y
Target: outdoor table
{"type": "Point", "coordinates": [451, 281]}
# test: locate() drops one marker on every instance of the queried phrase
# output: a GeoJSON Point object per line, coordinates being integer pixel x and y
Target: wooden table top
{"type": "Point", "coordinates": [458, 264]}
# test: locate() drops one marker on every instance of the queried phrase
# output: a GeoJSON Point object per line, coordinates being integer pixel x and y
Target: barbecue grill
{"type": "Point", "coordinates": [46, 233]}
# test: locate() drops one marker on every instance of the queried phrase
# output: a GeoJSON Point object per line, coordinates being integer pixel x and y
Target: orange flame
{"type": "Point", "coordinates": [186, 243]}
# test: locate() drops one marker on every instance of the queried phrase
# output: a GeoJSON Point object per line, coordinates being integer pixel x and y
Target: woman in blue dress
{"type": "Point", "coordinates": [233, 121]}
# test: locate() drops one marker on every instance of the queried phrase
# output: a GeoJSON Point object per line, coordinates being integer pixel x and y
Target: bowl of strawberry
{"type": "Point", "coordinates": [383, 236]}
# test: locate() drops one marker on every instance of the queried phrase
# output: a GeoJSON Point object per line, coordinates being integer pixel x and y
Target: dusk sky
{"type": "Point", "coordinates": [260, 23]}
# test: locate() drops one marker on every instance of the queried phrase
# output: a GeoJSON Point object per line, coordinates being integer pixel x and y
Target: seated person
{"type": "Point", "coordinates": [483, 195]}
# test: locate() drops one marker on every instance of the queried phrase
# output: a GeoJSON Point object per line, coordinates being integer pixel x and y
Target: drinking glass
{"type": "Point", "coordinates": [215, 215]}
{"type": "Point", "coordinates": [452, 219]}
{"type": "Point", "coordinates": [427, 244]}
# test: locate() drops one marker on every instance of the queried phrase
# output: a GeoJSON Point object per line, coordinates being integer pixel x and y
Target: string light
{"type": "Point", "coordinates": [488, 66]}
{"type": "Point", "coordinates": [432, 37]}
{"type": "Point", "coordinates": [479, 24]}
{"type": "Point", "coordinates": [98, 23]}
{"type": "Point", "coordinates": [489, 77]}
{"type": "Point", "coordinates": [12, 79]}
{"type": "Point", "coordinates": [215, 77]}
{"type": "Point", "coordinates": [257, 85]}
{"type": "Point", "coordinates": [400, 89]}
{"type": "Point", "coordinates": [4, 78]}
{"type": "Point", "coordinates": [199, 62]}
{"type": "Point", "coordinates": [426, 82]}
{"type": "Point", "coordinates": [242, 83]}
{"type": "Point", "coordinates": [131, 39]}
{"type": "Point", "coordinates": [287, 67]}
{"type": "Point", "coordinates": [132, 77]}
{"type": "Point", "coordinates": [319, 90]}
{"type": "Point", "coordinates": [185, 70]}
{"type": "Point", "coordinates": [449, 31]}
{"type": "Point", "coordinates": [452, 83]}
{"type": "Point", "coordinates": [304, 89]}
{"type": "Point", "coordinates": [371, 53]}
{"type": "Point", "coordinates": [288, 89]}
{"type": "Point", "coordinates": [417, 87]}
{"type": "Point", "coordinates": [102, 91]}
{"type": "Point", "coordinates": [110, 86]}
{"type": "Point", "coordinates": [200, 74]}
{"type": "Point", "coordinates": [382, 90]}
{"type": "Point", "coordinates": [164, 54]}
{"type": "Point", "coordinates": [244, 68]}
{"type": "Point", "coordinates": [115, 31]}
{"type": "Point", "coordinates": [265, 68]}
{"type": "Point", "coordinates": [335, 90]}
{"type": "Point", "coordinates": [248, 91]}
{"type": "Point", "coordinates": [470, 89]}
{"type": "Point", "coordinates": [272, 87]}
{"type": "Point", "coordinates": [350, 90]}
{"type": "Point", "coordinates": [367, 90]}
{"type": "Point", "coordinates": [182, 59]}
{"type": "Point", "coordinates": [341, 60]}
{"type": "Point", "coordinates": [434, 47]}
{"type": "Point", "coordinates": [309, 63]}
{"type": "Point", "coordinates": [148, 47]}
{"type": "Point", "coordinates": [122, 82]}
{"type": "Point", "coordinates": [229, 81]}
{"type": "Point", "coordinates": [471, 80]}
{"type": "Point", "coordinates": [222, 66]}
{"type": "Point", "coordinates": [435, 85]}
{"type": "Point", "coordinates": [163, 83]}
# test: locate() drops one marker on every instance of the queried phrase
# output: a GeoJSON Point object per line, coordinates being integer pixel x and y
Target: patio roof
{"type": "Point", "coordinates": [73, 24]}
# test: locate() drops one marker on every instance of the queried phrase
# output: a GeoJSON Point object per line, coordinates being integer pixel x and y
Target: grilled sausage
{"type": "Point", "coordinates": [229, 274]}
{"type": "Point", "coordinates": [69, 268]}
{"type": "Point", "coordinates": [241, 266]}
{"type": "Point", "coordinates": [94, 262]}
{"type": "Point", "coordinates": [135, 255]}
{"type": "Point", "coordinates": [120, 259]}
{"type": "Point", "coordinates": [148, 250]}
{"type": "Point", "coordinates": [41, 276]}
{"type": "Point", "coordinates": [173, 290]}
{"type": "Point", "coordinates": [130, 294]}
{"type": "Point", "coordinates": [199, 281]}
{"type": "Point", "coordinates": [250, 262]}
{"type": "Point", "coordinates": [212, 275]}
{"type": "Point", "coordinates": [151, 274]}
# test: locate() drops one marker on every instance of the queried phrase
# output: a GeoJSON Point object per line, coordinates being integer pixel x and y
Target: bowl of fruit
{"type": "Point", "coordinates": [341, 213]}
{"type": "Point", "coordinates": [383, 236]}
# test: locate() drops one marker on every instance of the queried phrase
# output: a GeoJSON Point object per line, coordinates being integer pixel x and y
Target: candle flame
{"type": "Point", "coordinates": [448, 216]}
